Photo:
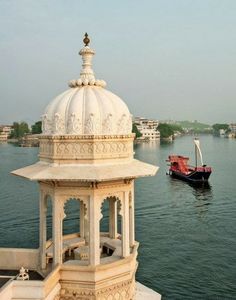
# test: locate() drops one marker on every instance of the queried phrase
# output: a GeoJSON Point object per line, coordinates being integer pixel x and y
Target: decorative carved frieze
{"type": "Point", "coordinates": [120, 291]}
{"type": "Point", "coordinates": [76, 149]}
{"type": "Point", "coordinates": [107, 124]}
{"type": "Point", "coordinates": [92, 125]}
{"type": "Point", "coordinates": [59, 125]}
{"type": "Point", "coordinates": [74, 125]}
{"type": "Point", "coordinates": [121, 124]}
{"type": "Point", "coordinates": [46, 124]}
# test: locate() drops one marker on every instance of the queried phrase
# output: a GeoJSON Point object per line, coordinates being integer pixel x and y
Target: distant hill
{"type": "Point", "coordinates": [188, 125]}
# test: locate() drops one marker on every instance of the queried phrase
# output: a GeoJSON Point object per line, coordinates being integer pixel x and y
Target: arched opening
{"type": "Point", "coordinates": [104, 222]}
{"type": "Point", "coordinates": [73, 228]}
{"type": "Point", "coordinates": [46, 220]}
{"type": "Point", "coordinates": [71, 219]}
{"type": "Point", "coordinates": [131, 220]}
{"type": "Point", "coordinates": [65, 233]}
{"type": "Point", "coordinates": [110, 239]}
{"type": "Point", "coordinates": [75, 235]}
{"type": "Point", "coordinates": [119, 218]}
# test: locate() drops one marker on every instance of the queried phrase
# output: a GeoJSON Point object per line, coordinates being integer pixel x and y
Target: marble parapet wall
{"type": "Point", "coordinates": [14, 258]}
{"type": "Point", "coordinates": [70, 149]}
{"type": "Point", "coordinates": [112, 281]}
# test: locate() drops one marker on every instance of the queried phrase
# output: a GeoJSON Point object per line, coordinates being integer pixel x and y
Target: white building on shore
{"type": "Point", "coordinates": [5, 131]}
{"type": "Point", "coordinates": [232, 133]}
{"type": "Point", "coordinates": [148, 128]}
{"type": "Point", "coordinates": [232, 127]}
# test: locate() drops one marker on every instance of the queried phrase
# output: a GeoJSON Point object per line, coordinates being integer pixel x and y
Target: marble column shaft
{"type": "Point", "coordinates": [57, 231]}
{"type": "Point", "coordinates": [113, 218]}
{"type": "Point", "coordinates": [131, 218]}
{"type": "Point", "coordinates": [82, 219]}
{"type": "Point", "coordinates": [94, 230]}
{"type": "Point", "coordinates": [125, 225]}
{"type": "Point", "coordinates": [42, 229]}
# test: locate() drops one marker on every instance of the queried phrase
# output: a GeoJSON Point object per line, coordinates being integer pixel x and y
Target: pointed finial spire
{"type": "Point", "coordinates": [86, 39]}
{"type": "Point", "coordinates": [86, 74]}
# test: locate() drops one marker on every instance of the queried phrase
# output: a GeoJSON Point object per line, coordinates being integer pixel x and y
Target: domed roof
{"type": "Point", "coordinates": [87, 108]}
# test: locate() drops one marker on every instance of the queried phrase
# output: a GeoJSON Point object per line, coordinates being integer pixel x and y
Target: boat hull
{"type": "Point", "coordinates": [194, 177]}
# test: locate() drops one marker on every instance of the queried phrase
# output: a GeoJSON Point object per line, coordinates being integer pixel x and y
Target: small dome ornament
{"type": "Point", "coordinates": [23, 274]}
{"type": "Point", "coordinates": [86, 75]}
{"type": "Point", "coordinates": [86, 39]}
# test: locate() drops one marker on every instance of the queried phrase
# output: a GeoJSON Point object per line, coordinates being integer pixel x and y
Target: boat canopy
{"type": "Point", "coordinates": [198, 149]}
{"type": "Point", "coordinates": [179, 162]}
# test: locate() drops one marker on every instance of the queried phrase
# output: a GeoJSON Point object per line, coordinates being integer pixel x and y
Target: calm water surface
{"type": "Point", "coordinates": [187, 235]}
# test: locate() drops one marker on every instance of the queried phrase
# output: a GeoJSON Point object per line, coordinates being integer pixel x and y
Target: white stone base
{"type": "Point", "coordinates": [35, 291]}
{"type": "Point", "coordinates": [144, 293]}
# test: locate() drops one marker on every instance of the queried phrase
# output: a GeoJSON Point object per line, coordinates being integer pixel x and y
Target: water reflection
{"type": "Point", "coordinates": [147, 145]}
{"type": "Point", "coordinates": [203, 196]}
{"type": "Point", "coordinates": [147, 151]}
{"type": "Point", "coordinates": [198, 186]}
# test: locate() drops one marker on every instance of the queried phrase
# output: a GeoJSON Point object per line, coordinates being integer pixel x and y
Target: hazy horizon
{"type": "Point", "coordinates": [170, 59]}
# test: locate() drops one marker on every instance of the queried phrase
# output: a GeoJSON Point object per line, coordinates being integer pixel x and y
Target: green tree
{"type": "Point", "coordinates": [217, 127]}
{"type": "Point", "coordinates": [176, 128]}
{"type": "Point", "coordinates": [15, 131]}
{"type": "Point", "coordinates": [136, 131]}
{"type": "Point", "coordinates": [19, 129]}
{"type": "Point", "coordinates": [36, 127]}
{"type": "Point", "coordinates": [166, 130]}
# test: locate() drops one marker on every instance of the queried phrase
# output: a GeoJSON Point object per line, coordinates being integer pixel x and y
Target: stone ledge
{"type": "Point", "coordinates": [86, 172]}
{"type": "Point", "coordinates": [142, 292]}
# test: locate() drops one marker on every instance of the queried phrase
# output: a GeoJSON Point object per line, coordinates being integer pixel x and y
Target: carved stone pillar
{"type": "Point", "coordinates": [42, 229]}
{"type": "Point", "coordinates": [86, 228]}
{"type": "Point", "coordinates": [131, 219]}
{"type": "Point", "coordinates": [58, 213]}
{"type": "Point", "coordinates": [86, 222]}
{"type": "Point", "coordinates": [94, 230]}
{"type": "Point", "coordinates": [82, 220]}
{"type": "Point", "coordinates": [113, 218]}
{"type": "Point", "coordinates": [125, 224]}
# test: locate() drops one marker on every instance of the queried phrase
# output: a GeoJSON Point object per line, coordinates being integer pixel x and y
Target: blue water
{"type": "Point", "coordinates": [187, 235]}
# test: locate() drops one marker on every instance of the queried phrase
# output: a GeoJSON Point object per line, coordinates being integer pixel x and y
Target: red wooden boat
{"type": "Point", "coordinates": [179, 167]}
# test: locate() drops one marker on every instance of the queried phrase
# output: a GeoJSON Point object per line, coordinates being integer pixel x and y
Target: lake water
{"type": "Point", "coordinates": [187, 235]}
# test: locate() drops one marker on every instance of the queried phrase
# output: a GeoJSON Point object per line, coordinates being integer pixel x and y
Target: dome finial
{"type": "Point", "coordinates": [86, 74]}
{"type": "Point", "coordinates": [86, 39]}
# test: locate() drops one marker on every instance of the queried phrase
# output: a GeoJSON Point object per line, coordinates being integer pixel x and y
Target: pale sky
{"type": "Point", "coordinates": [167, 59]}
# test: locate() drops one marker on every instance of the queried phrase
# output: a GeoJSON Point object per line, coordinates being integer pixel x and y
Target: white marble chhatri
{"type": "Point", "coordinates": [86, 154]}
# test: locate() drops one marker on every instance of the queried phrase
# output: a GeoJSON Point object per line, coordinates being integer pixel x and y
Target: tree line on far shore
{"type": "Point", "coordinates": [166, 130]}
{"type": "Point", "coordinates": [185, 127]}
{"type": "Point", "coordinates": [19, 129]}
